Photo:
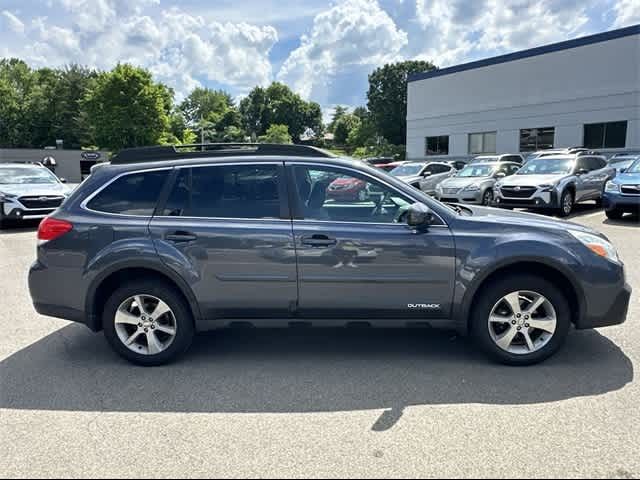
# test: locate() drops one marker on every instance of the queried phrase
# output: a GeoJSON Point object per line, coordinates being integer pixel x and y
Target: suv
{"type": "Point", "coordinates": [29, 191]}
{"type": "Point", "coordinates": [162, 244]}
{"type": "Point", "coordinates": [427, 174]}
{"type": "Point", "coordinates": [556, 182]}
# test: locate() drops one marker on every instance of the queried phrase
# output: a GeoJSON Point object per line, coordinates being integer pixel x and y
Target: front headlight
{"type": "Point", "coordinates": [547, 188]}
{"type": "Point", "coordinates": [612, 187]}
{"type": "Point", "coordinates": [5, 197]}
{"type": "Point", "coordinates": [472, 188]}
{"type": "Point", "coordinates": [597, 245]}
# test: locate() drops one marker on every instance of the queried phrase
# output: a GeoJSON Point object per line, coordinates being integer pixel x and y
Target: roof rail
{"type": "Point", "coordinates": [197, 150]}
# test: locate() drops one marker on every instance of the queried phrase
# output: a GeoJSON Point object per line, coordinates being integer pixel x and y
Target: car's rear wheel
{"type": "Point", "coordinates": [566, 203]}
{"type": "Point", "coordinates": [520, 320]}
{"type": "Point", "coordinates": [148, 323]}
{"type": "Point", "coordinates": [614, 213]}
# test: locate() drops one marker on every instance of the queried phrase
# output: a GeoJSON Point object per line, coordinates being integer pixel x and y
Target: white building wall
{"type": "Point", "coordinates": [594, 83]}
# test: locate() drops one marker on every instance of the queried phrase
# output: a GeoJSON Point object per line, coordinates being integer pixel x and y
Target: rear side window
{"type": "Point", "coordinates": [225, 191]}
{"type": "Point", "coordinates": [436, 169]}
{"type": "Point", "coordinates": [134, 194]}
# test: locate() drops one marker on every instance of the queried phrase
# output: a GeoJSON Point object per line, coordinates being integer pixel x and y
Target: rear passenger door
{"type": "Point", "coordinates": [226, 228]}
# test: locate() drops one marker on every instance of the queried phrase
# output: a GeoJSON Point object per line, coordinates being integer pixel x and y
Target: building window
{"type": "Point", "coordinates": [605, 135]}
{"type": "Point", "coordinates": [533, 139]}
{"type": "Point", "coordinates": [437, 145]}
{"type": "Point", "coordinates": [484, 142]}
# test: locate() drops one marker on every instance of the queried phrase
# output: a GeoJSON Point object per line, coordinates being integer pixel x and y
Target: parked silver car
{"type": "Point", "coordinates": [555, 182]}
{"type": "Point", "coordinates": [474, 183]}
{"type": "Point", "coordinates": [424, 175]}
{"type": "Point", "coordinates": [505, 157]}
{"type": "Point", "coordinates": [29, 191]}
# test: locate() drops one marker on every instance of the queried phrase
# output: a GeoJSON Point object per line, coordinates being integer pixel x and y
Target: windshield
{"type": "Point", "coordinates": [26, 176]}
{"type": "Point", "coordinates": [547, 166]}
{"type": "Point", "coordinates": [635, 168]}
{"type": "Point", "coordinates": [622, 159]}
{"type": "Point", "coordinates": [477, 171]}
{"type": "Point", "coordinates": [407, 170]}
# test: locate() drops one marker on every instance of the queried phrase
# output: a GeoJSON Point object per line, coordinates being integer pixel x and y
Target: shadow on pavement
{"type": "Point", "coordinates": [25, 226]}
{"type": "Point", "coordinates": [302, 371]}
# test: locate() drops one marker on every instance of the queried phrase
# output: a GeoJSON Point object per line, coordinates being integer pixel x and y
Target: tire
{"type": "Point", "coordinates": [567, 201]}
{"type": "Point", "coordinates": [178, 318]}
{"type": "Point", "coordinates": [487, 197]}
{"type": "Point", "coordinates": [614, 214]}
{"type": "Point", "coordinates": [488, 334]}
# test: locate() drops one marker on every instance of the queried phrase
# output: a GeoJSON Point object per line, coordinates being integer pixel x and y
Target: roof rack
{"type": "Point", "coordinates": [197, 150]}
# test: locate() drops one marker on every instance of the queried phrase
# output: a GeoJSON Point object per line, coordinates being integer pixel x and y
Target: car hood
{"type": "Point", "coordinates": [525, 219]}
{"type": "Point", "coordinates": [459, 182]}
{"type": "Point", "coordinates": [522, 180]}
{"type": "Point", "coordinates": [628, 178]}
{"type": "Point", "coordinates": [19, 190]}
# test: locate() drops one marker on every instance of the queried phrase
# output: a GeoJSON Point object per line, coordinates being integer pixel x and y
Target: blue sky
{"type": "Point", "coordinates": [324, 50]}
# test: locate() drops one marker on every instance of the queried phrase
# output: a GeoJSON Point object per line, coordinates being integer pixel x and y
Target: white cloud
{"type": "Point", "coordinates": [627, 13]}
{"type": "Point", "coordinates": [182, 50]}
{"type": "Point", "coordinates": [352, 32]}
{"type": "Point", "coordinates": [14, 23]}
{"type": "Point", "coordinates": [456, 29]}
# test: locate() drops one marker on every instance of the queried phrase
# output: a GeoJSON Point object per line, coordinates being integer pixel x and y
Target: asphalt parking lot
{"type": "Point", "coordinates": [334, 403]}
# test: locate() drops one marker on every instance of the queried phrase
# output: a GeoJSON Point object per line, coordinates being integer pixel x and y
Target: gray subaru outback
{"type": "Point", "coordinates": [165, 242]}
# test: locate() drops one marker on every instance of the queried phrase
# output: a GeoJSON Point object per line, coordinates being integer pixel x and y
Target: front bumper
{"type": "Point", "coordinates": [629, 203]}
{"type": "Point", "coordinates": [461, 196]}
{"type": "Point", "coordinates": [615, 312]}
{"type": "Point", "coordinates": [14, 210]}
{"type": "Point", "coordinates": [539, 199]}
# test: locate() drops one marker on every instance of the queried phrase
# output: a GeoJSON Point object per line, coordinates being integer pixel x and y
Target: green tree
{"type": "Point", "coordinates": [127, 108]}
{"type": "Point", "coordinates": [338, 113]}
{"type": "Point", "coordinates": [344, 127]}
{"type": "Point", "coordinates": [279, 105]}
{"type": "Point", "coordinates": [205, 103]}
{"type": "Point", "coordinates": [276, 134]}
{"type": "Point", "coordinates": [387, 98]}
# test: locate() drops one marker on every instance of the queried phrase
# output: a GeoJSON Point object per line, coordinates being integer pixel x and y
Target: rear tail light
{"type": "Point", "coordinates": [52, 228]}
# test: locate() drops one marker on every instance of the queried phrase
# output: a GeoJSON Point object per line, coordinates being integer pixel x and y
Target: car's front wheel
{"type": "Point", "coordinates": [487, 198]}
{"type": "Point", "coordinates": [566, 203]}
{"type": "Point", "coordinates": [148, 323]}
{"type": "Point", "coordinates": [520, 320]}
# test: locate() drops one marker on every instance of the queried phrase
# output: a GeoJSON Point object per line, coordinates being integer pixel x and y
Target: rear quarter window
{"type": "Point", "coordinates": [132, 194]}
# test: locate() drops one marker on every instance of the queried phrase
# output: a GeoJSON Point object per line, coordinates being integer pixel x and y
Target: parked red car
{"type": "Point", "coordinates": [348, 189]}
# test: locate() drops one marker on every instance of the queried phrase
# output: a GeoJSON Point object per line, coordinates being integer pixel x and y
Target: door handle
{"type": "Point", "coordinates": [319, 241]}
{"type": "Point", "coordinates": [181, 237]}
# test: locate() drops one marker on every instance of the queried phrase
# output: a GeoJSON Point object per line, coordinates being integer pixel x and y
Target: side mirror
{"type": "Point", "coordinates": [419, 215]}
{"type": "Point", "coordinates": [500, 175]}
{"type": "Point", "coordinates": [426, 174]}
{"type": "Point", "coordinates": [582, 171]}
{"type": "Point", "coordinates": [622, 170]}
{"type": "Point", "coordinates": [63, 180]}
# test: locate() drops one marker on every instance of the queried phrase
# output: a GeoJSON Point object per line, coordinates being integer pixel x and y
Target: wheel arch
{"type": "Point", "coordinates": [550, 272]}
{"type": "Point", "coordinates": [109, 280]}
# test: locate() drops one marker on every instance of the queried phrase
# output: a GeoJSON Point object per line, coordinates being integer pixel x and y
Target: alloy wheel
{"type": "Point", "coordinates": [145, 324]}
{"type": "Point", "coordinates": [522, 322]}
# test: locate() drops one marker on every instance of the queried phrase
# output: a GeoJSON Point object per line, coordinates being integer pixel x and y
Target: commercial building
{"type": "Point", "coordinates": [582, 92]}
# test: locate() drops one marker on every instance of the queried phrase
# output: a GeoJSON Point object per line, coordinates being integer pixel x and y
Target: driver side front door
{"type": "Point", "coordinates": [355, 261]}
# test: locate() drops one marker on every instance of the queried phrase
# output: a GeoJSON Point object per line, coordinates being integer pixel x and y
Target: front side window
{"type": "Point", "coordinates": [437, 145]}
{"type": "Point", "coordinates": [605, 135]}
{"type": "Point", "coordinates": [484, 142]}
{"type": "Point", "coordinates": [409, 170]}
{"type": "Point", "coordinates": [437, 169]}
{"type": "Point", "coordinates": [134, 194]}
{"type": "Point", "coordinates": [225, 191]}
{"type": "Point", "coordinates": [533, 139]}
{"type": "Point", "coordinates": [332, 194]}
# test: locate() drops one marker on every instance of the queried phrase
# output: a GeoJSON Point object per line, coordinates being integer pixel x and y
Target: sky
{"type": "Point", "coordinates": [324, 50]}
